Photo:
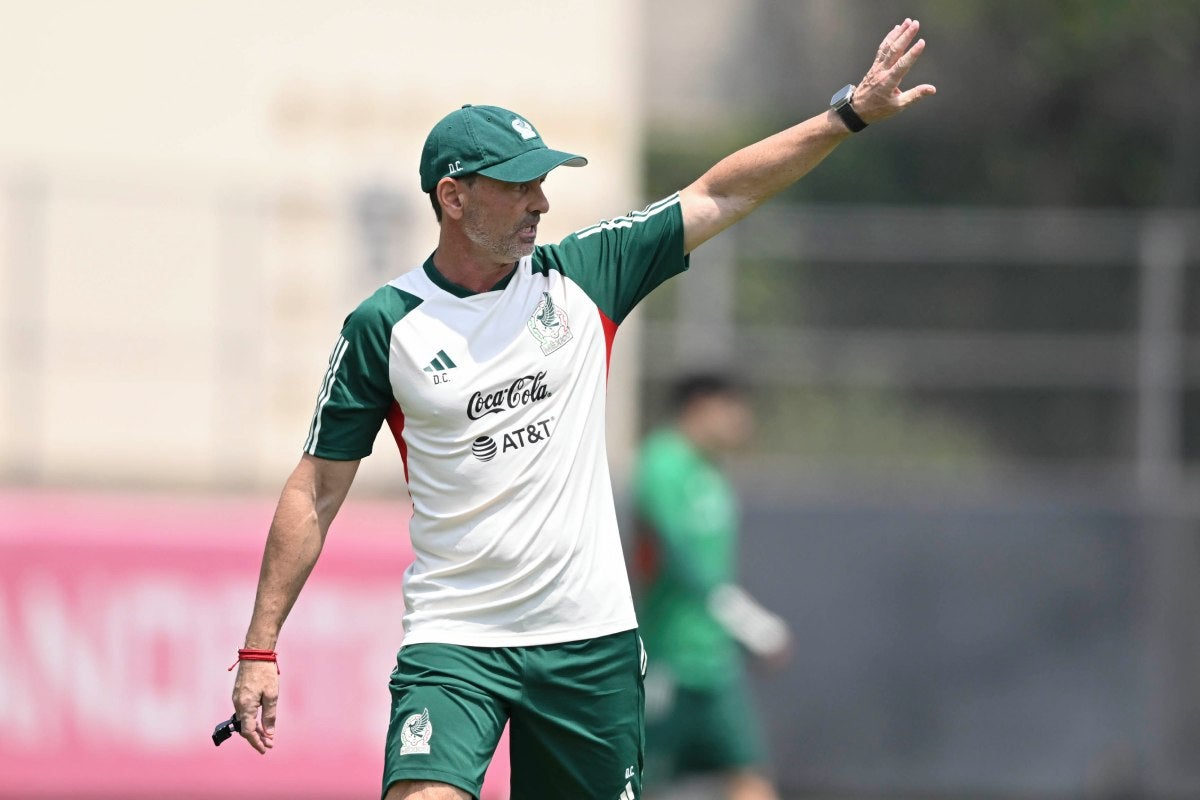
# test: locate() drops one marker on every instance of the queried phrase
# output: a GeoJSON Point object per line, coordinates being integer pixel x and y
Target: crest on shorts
{"type": "Point", "coordinates": [549, 325]}
{"type": "Point", "coordinates": [416, 733]}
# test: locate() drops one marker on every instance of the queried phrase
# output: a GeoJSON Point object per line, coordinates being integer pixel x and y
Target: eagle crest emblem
{"type": "Point", "coordinates": [549, 325]}
{"type": "Point", "coordinates": [416, 733]}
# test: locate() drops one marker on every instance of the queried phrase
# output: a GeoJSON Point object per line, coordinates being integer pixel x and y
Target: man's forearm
{"type": "Point", "coordinates": [309, 502]}
{"type": "Point", "coordinates": [742, 181]}
{"type": "Point", "coordinates": [293, 546]}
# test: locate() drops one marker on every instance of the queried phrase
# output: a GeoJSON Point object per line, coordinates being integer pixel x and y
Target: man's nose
{"type": "Point", "coordinates": [538, 202]}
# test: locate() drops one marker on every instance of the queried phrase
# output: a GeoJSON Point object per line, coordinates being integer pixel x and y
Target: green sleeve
{"type": "Point", "coordinates": [356, 393]}
{"type": "Point", "coordinates": [619, 261]}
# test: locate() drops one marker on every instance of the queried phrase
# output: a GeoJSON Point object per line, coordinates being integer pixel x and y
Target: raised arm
{"type": "Point", "coordinates": [740, 182]}
{"type": "Point", "coordinates": [310, 500]}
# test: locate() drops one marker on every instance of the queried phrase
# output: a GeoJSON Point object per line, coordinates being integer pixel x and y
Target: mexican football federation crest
{"type": "Point", "coordinates": [415, 734]}
{"type": "Point", "coordinates": [549, 325]}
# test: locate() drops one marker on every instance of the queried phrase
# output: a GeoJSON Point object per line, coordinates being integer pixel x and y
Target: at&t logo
{"type": "Point", "coordinates": [485, 448]}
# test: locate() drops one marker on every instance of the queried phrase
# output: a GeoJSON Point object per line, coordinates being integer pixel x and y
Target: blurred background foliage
{"type": "Point", "coordinates": [973, 338]}
{"type": "Point", "coordinates": [1074, 102]}
{"type": "Point", "coordinates": [1080, 104]}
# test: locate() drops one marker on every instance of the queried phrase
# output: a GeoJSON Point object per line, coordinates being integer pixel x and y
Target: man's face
{"type": "Point", "coordinates": [728, 421]}
{"type": "Point", "coordinates": [501, 218]}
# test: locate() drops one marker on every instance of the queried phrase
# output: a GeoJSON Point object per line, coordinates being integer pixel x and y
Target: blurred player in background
{"type": "Point", "coordinates": [694, 618]}
{"type": "Point", "coordinates": [488, 362]}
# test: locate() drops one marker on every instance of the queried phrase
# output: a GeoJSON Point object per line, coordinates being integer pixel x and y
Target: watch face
{"type": "Point", "coordinates": [842, 96]}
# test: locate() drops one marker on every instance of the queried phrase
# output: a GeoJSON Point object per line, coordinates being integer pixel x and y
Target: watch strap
{"type": "Point", "coordinates": [849, 116]}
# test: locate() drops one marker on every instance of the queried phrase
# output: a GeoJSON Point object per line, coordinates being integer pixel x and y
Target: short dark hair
{"type": "Point", "coordinates": [701, 385]}
{"type": "Point", "coordinates": [469, 180]}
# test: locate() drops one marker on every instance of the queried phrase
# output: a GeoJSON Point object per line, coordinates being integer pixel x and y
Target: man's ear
{"type": "Point", "coordinates": [450, 197]}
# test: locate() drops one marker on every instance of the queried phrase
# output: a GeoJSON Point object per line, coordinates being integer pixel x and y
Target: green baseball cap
{"type": "Point", "coordinates": [491, 141]}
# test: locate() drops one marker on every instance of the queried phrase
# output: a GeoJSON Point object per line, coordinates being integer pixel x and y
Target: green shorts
{"type": "Point", "coordinates": [575, 712]}
{"type": "Point", "coordinates": [691, 730]}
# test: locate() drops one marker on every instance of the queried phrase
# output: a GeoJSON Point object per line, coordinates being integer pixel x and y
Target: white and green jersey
{"type": "Point", "coordinates": [496, 401]}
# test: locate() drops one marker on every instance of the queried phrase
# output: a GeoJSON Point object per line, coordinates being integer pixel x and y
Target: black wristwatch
{"type": "Point", "coordinates": [840, 103]}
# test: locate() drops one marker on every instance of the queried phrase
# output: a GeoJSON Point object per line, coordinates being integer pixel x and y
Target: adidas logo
{"type": "Point", "coordinates": [438, 366]}
{"type": "Point", "coordinates": [440, 362]}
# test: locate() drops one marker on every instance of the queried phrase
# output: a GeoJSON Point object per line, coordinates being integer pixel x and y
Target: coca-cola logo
{"type": "Point", "coordinates": [521, 392]}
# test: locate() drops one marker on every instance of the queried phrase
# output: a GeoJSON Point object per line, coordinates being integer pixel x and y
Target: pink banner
{"type": "Point", "coordinates": [120, 615]}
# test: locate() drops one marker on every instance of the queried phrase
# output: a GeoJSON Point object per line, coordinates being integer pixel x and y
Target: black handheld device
{"type": "Point", "coordinates": [226, 729]}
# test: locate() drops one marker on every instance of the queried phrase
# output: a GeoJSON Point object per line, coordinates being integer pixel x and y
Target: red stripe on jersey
{"type": "Point", "coordinates": [610, 333]}
{"type": "Point", "coordinates": [395, 421]}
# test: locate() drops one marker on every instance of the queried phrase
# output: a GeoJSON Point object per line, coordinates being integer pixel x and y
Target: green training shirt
{"type": "Point", "coordinates": [688, 515]}
{"type": "Point", "coordinates": [496, 402]}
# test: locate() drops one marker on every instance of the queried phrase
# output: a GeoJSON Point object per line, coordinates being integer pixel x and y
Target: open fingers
{"type": "Point", "coordinates": [914, 94]}
{"type": "Point", "coordinates": [896, 42]}
{"type": "Point", "coordinates": [885, 47]}
{"type": "Point", "coordinates": [878, 95]}
{"type": "Point", "coordinates": [906, 60]}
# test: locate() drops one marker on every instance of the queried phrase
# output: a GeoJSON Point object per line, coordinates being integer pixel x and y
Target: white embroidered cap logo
{"type": "Point", "coordinates": [415, 734]}
{"type": "Point", "coordinates": [524, 128]}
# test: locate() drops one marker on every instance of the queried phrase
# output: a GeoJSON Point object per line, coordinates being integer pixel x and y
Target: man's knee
{"type": "Point", "coordinates": [425, 790]}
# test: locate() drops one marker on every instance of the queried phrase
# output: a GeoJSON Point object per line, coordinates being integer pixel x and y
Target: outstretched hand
{"type": "Point", "coordinates": [878, 95]}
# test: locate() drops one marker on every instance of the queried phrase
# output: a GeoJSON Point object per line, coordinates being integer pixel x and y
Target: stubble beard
{"type": "Point", "coordinates": [505, 248]}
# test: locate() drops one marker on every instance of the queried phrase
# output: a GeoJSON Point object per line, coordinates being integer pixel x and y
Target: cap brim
{"type": "Point", "coordinates": [532, 164]}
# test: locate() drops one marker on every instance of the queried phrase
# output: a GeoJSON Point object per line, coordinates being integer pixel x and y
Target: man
{"type": "Point", "coordinates": [692, 615]}
{"type": "Point", "coordinates": [489, 363]}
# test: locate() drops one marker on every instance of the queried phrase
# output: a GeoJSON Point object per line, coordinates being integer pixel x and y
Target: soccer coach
{"type": "Point", "coordinates": [489, 363]}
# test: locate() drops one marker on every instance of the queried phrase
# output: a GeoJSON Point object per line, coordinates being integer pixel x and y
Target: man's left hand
{"type": "Point", "coordinates": [878, 95]}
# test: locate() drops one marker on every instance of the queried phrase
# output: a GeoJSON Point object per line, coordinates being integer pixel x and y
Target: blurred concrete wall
{"type": "Point", "coordinates": [193, 195]}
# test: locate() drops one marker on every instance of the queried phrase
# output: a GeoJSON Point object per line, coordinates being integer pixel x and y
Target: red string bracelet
{"type": "Point", "coordinates": [247, 654]}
